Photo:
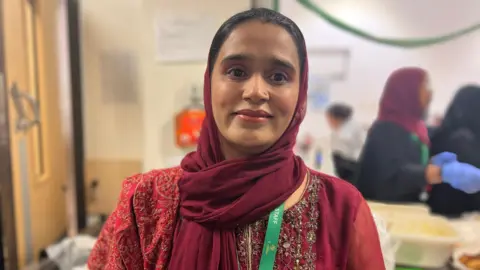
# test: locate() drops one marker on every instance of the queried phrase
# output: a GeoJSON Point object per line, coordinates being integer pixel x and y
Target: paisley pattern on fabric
{"type": "Point", "coordinates": [330, 226]}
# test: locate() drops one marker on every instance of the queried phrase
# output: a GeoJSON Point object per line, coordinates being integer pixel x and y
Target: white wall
{"type": "Point", "coordinates": [142, 130]}
{"type": "Point", "coordinates": [168, 86]}
{"type": "Point", "coordinates": [112, 130]}
{"type": "Point", "coordinates": [450, 64]}
{"type": "Point", "coordinates": [145, 130]}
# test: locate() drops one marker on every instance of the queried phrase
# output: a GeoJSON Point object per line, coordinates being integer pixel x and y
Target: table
{"type": "Point", "coordinates": [448, 267]}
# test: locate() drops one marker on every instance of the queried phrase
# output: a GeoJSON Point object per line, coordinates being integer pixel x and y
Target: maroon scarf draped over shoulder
{"type": "Point", "coordinates": [400, 102]}
{"type": "Point", "coordinates": [218, 195]}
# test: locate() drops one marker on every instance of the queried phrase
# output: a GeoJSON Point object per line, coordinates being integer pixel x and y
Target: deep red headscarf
{"type": "Point", "coordinates": [218, 195]}
{"type": "Point", "coordinates": [400, 102]}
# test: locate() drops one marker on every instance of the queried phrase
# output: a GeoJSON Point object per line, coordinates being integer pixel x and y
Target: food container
{"type": "Point", "coordinates": [388, 244]}
{"type": "Point", "coordinates": [399, 208]}
{"type": "Point", "coordinates": [475, 216]}
{"type": "Point", "coordinates": [468, 229]}
{"type": "Point", "coordinates": [425, 241]}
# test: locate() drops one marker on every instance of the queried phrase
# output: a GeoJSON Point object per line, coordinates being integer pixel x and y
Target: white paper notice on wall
{"type": "Point", "coordinates": [184, 37]}
{"type": "Point", "coordinates": [318, 92]}
{"type": "Point", "coordinates": [330, 63]}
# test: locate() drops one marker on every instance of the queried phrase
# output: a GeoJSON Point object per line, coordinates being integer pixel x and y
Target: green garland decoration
{"type": "Point", "coordinates": [395, 42]}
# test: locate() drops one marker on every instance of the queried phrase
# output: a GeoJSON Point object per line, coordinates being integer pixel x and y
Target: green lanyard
{"type": "Point", "coordinates": [425, 158]}
{"type": "Point", "coordinates": [270, 244]}
{"type": "Point", "coordinates": [424, 148]}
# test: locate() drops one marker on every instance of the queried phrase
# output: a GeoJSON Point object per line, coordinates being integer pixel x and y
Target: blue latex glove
{"type": "Point", "coordinates": [462, 176]}
{"type": "Point", "coordinates": [443, 158]}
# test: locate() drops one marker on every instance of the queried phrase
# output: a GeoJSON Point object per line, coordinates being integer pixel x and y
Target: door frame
{"type": "Point", "coordinates": [6, 183]}
{"type": "Point", "coordinates": [77, 110]}
{"type": "Point", "coordinates": [7, 207]}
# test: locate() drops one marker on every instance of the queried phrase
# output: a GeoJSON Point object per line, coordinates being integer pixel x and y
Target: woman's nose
{"type": "Point", "coordinates": [256, 89]}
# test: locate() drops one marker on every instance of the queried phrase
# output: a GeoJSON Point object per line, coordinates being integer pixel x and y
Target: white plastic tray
{"type": "Point", "coordinates": [417, 248]}
{"type": "Point", "coordinates": [423, 250]}
{"type": "Point", "coordinates": [403, 208]}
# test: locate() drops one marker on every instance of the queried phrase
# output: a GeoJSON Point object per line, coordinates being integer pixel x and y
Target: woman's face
{"type": "Point", "coordinates": [425, 93]}
{"type": "Point", "coordinates": [255, 87]}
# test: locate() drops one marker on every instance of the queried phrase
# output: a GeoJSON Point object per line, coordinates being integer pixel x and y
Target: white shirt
{"type": "Point", "coordinates": [348, 140]}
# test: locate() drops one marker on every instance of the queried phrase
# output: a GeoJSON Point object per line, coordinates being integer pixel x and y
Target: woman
{"type": "Point", "coordinates": [243, 184]}
{"type": "Point", "coordinates": [459, 133]}
{"type": "Point", "coordinates": [394, 165]}
{"type": "Point", "coordinates": [347, 140]}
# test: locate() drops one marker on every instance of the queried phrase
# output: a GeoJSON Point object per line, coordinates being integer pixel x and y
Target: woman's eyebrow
{"type": "Point", "coordinates": [275, 60]}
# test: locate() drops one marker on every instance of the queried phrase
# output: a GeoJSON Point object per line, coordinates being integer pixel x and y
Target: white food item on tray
{"type": "Point", "coordinates": [465, 250]}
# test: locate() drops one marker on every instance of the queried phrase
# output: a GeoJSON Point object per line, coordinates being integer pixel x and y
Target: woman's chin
{"type": "Point", "coordinates": [251, 145]}
{"type": "Point", "coordinates": [243, 143]}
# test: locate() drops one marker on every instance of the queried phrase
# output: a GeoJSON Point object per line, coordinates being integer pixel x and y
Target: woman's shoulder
{"type": "Point", "coordinates": [146, 198]}
{"type": "Point", "coordinates": [144, 221]}
{"type": "Point", "coordinates": [384, 132]}
{"type": "Point", "coordinates": [143, 189]}
{"type": "Point", "coordinates": [462, 136]}
{"type": "Point", "coordinates": [339, 193]}
{"type": "Point", "coordinates": [462, 142]}
{"type": "Point", "coordinates": [150, 182]}
{"type": "Point", "coordinates": [388, 127]}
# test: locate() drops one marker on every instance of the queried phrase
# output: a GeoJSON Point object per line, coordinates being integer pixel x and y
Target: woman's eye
{"type": "Point", "coordinates": [278, 78]}
{"type": "Point", "coordinates": [236, 72]}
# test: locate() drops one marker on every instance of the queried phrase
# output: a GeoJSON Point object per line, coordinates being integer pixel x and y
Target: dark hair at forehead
{"type": "Point", "coordinates": [340, 111]}
{"type": "Point", "coordinates": [263, 15]}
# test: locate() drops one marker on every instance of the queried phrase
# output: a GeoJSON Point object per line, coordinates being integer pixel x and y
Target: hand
{"type": "Point", "coordinates": [443, 158]}
{"type": "Point", "coordinates": [433, 174]}
{"type": "Point", "coordinates": [462, 176]}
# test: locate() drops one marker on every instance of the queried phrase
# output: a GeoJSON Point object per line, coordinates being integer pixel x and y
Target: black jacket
{"type": "Point", "coordinates": [345, 169]}
{"type": "Point", "coordinates": [390, 167]}
{"type": "Point", "coordinates": [459, 133]}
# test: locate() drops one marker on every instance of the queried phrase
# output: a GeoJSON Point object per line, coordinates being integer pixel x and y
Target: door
{"type": "Point", "coordinates": [39, 149]}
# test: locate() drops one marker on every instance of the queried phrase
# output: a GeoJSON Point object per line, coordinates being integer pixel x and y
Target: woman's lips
{"type": "Point", "coordinates": [252, 118]}
{"type": "Point", "coordinates": [255, 116]}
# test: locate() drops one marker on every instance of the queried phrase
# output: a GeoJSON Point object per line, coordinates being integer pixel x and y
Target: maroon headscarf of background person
{"type": "Point", "coordinates": [218, 195]}
{"type": "Point", "coordinates": [400, 102]}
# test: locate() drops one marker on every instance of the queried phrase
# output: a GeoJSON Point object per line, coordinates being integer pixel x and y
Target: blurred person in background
{"type": "Point", "coordinates": [347, 140]}
{"type": "Point", "coordinates": [395, 162]}
{"type": "Point", "coordinates": [394, 165]}
{"type": "Point", "coordinates": [459, 133]}
{"type": "Point", "coordinates": [244, 188]}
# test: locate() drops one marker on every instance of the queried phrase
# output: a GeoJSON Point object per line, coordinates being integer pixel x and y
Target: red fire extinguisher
{"type": "Point", "coordinates": [189, 122]}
